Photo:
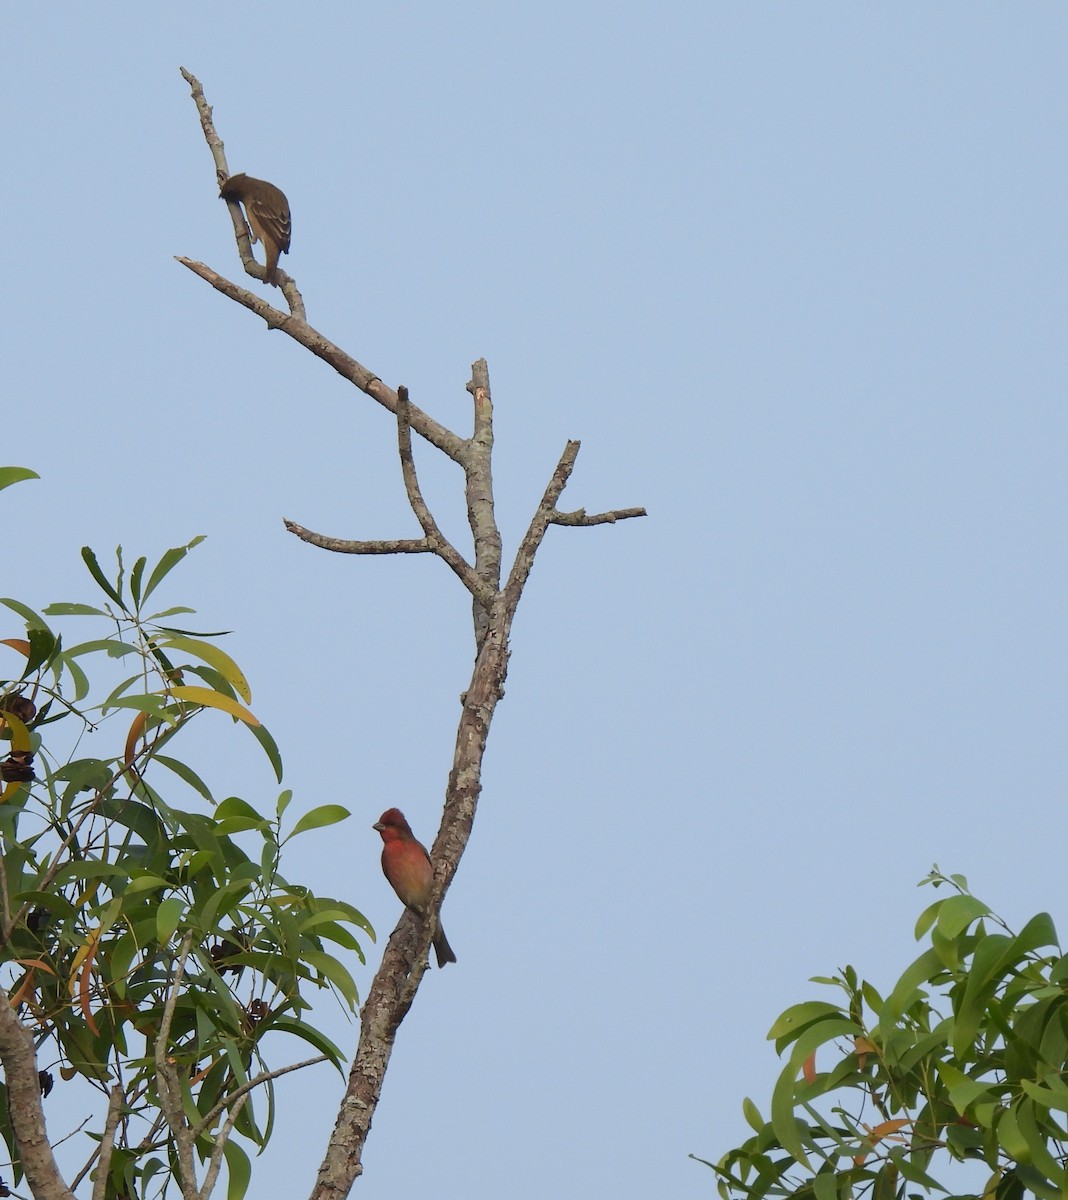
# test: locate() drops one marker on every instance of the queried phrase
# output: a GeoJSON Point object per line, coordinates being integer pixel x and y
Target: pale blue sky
{"type": "Point", "coordinates": [795, 273]}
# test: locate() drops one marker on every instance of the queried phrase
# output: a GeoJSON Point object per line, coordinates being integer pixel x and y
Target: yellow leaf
{"type": "Point", "coordinates": [213, 699]}
{"type": "Point", "coordinates": [213, 656]}
{"type": "Point", "coordinates": [20, 735]}
{"type": "Point", "coordinates": [9, 791]}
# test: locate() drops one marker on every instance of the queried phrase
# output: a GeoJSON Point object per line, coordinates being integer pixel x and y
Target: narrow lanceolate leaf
{"type": "Point", "coordinates": [1047, 1097]}
{"type": "Point", "coordinates": [784, 1097]}
{"type": "Point", "coordinates": [102, 581]}
{"type": "Point", "coordinates": [752, 1115]}
{"type": "Point", "coordinates": [10, 475]}
{"type": "Point", "coordinates": [168, 915]}
{"type": "Point", "coordinates": [270, 748]}
{"type": "Point", "coordinates": [137, 728]}
{"type": "Point", "coordinates": [219, 659]}
{"type": "Point", "coordinates": [325, 814]}
{"type": "Point", "coordinates": [167, 563]}
{"type": "Point", "coordinates": [135, 579]}
{"type": "Point", "coordinates": [331, 969]}
{"type": "Point", "coordinates": [64, 609]}
{"type": "Point", "coordinates": [312, 1036]}
{"type": "Point", "coordinates": [20, 735]}
{"type": "Point", "coordinates": [210, 699]}
{"type": "Point", "coordinates": [798, 1017]}
{"type": "Point", "coordinates": [238, 1171]}
{"type": "Point", "coordinates": [186, 773]}
{"type": "Point", "coordinates": [81, 975]}
{"type": "Point", "coordinates": [33, 620]}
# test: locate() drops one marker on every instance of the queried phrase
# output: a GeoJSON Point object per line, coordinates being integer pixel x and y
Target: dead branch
{"type": "Point", "coordinates": [405, 957]}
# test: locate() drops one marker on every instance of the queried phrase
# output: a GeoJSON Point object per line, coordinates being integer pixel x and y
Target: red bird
{"type": "Point", "coordinates": [406, 864]}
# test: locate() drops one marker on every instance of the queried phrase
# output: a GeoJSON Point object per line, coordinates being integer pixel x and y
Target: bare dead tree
{"type": "Point", "coordinates": [494, 604]}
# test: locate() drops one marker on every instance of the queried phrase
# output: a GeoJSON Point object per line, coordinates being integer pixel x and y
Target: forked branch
{"type": "Point", "coordinates": [405, 957]}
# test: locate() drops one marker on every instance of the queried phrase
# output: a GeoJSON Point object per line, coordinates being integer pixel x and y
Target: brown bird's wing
{"type": "Point", "coordinates": [269, 209]}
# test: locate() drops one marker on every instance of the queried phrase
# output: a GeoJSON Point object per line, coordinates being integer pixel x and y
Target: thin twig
{"type": "Point", "coordinates": [345, 546]}
{"type": "Point", "coordinates": [170, 1095]}
{"type": "Point", "coordinates": [223, 1136]}
{"type": "Point", "coordinates": [288, 286]}
{"type": "Point", "coordinates": [344, 364]}
{"type": "Point", "coordinates": [532, 539]}
{"type": "Point", "coordinates": [5, 911]}
{"type": "Point", "coordinates": [581, 518]}
{"type": "Point", "coordinates": [263, 1077]}
{"type": "Point", "coordinates": [107, 1141]}
{"type": "Point", "coordinates": [443, 548]}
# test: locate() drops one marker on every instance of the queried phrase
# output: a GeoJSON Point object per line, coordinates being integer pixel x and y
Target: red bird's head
{"type": "Point", "coordinates": [391, 824]}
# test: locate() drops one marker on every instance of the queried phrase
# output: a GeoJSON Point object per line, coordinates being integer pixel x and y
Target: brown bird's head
{"type": "Point", "coordinates": [235, 187]}
{"type": "Point", "coordinates": [392, 820]}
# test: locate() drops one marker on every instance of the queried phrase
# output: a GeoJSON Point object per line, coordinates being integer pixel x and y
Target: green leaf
{"type": "Point", "coordinates": [957, 913]}
{"type": "Point", "coordinates": [333, 970]}
{"type": "Point", "coordinates": [963, 1090]}
{"type": "Point", "coordinates": [927, 918]}
{"type": "Point", "coordinates": [168, 915]}
{"type": "Point", "coordinates": [112, 647]}
{"type": "Point", "coordinates": [145, 883]}
{"type": "Point", "coordinates": [311, 1035]}
{"type": "Point", "coordinates": [1037, 933]}
{"type": "Point", "coordinates": [270, 748]}
{"type": "Point", "coordinates": [825, 1186]}
{"type": "Point", "coordinates": [167, 564]}
{"type": "Point", "coordinates": [752, 1115]}
{"type": "Point", "coordinates": [1011, 1139]}
{"type": "Point", "coordinates": [234, 815]}
{"type": "Point", "coordinates": [1037, 1143]}
{"type": "Point", "coordinates": [33, 620]}
{"type": "Point", "coordinates": [234, 806]}
{"type": "Point", "coordinates": [238, 1170]}
{"type": "Point", "coordinates": [155, 706]}
{"type": "Point", "coordinates": [10, 475]}
{"type": "Point", "coordinates": [101, 579]}
{"type": "Point", "coordinates": [185, 773]}
{"type": "Point", "coordinates": [912, 1171]}
{"type": "Point", "coordinates": [783, 1099]}
{"type": "Point", "coordinates": [135, 580]}
{"type": "Point", "coordinates": [921, 970]}
{"type": "Point", "coordinates": [74, 610]}
{"type": "Point", "coordinates": [326, 814]}
{"type": "Point", "coordinates": [988, 963]}
{"type": "Point", "coordinates": [43, 645]}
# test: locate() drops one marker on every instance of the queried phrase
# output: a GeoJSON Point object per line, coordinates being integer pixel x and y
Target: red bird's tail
{"type": "Point", "coordinates": [442, 949]}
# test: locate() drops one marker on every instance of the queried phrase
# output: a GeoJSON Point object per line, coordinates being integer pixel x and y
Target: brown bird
{"type": "Point", "coordinates": [267, 210]}
{"type": "Point", "coordinates": [406, 864]}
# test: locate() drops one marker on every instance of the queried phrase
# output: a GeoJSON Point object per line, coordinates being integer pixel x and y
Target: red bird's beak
{"type": "Point", "coordinates": [377, 825]}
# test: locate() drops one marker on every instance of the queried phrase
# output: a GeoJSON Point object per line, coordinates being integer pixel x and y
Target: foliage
{"type": "Point", "coordinates": [142, 941]}
{"type": "Point", "coordinates": [964, 1059]}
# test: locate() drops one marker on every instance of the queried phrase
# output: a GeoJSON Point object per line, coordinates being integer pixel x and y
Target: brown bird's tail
{"type": "Point", "coordinates": [442, 949]}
